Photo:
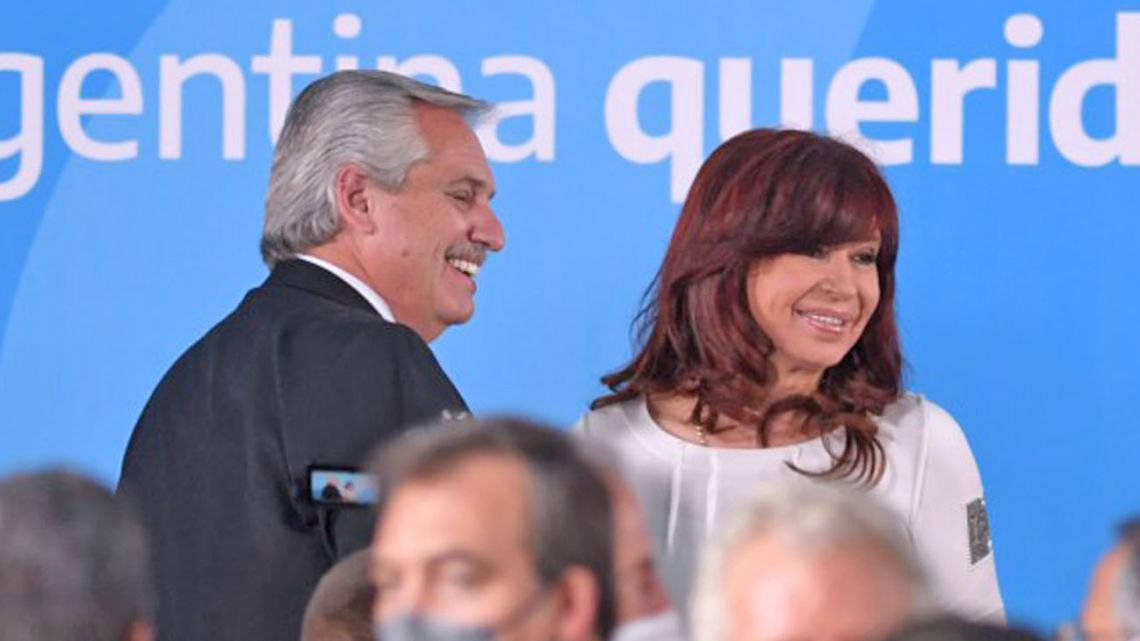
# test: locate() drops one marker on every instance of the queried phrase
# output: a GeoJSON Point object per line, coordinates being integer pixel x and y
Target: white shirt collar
{"type": "Point", "coordinates": [361, 288]}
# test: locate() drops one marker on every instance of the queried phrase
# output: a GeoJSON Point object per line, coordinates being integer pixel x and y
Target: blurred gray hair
{"type": "Point", "coordinates": [365, 118]}
{"type": "Point", "coordinates": [570, 509]}
{"type": "Point", "coordinates": [74, 561]}
{"type": "Point", "coordinates": [1127, 593]}
{"type": "Point", "coordinates": [810, 519]}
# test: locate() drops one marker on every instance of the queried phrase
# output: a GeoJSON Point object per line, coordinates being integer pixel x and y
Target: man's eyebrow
{"type": "Point", "coordinates": [477, 183]}
{"type": "Point", "coordinates": [457, 555]}
{"type": "Point", "coordinates": [641, 567]}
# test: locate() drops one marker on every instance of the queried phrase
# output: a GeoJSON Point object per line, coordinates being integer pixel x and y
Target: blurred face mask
{"type": "Point", "coordinates": [414, 626]}
{"type": "Point", "coordinates": [418, 626]}
{"type": "Point", "coordinates": [664, 626]}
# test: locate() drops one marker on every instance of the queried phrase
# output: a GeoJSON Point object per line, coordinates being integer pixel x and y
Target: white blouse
{"type": "Point", "coordinates": [930, 483]}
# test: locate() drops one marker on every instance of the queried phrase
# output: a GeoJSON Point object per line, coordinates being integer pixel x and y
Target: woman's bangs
{"type": "Point", "coordinates": [851, 213]}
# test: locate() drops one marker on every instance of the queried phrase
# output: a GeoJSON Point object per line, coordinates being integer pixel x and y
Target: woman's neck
{"type": "Point", "coordinates": [673, 413]}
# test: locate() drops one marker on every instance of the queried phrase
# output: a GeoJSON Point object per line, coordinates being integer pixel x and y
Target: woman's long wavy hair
{"type": "Point", "coordinates": [763, 193]}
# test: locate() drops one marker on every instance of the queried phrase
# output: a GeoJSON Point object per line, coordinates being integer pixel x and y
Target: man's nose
{"type": "Point", "coordinates": [488, 230]}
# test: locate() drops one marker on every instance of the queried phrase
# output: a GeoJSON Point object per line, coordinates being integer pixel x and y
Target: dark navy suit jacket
{"type": "Point", "coordinates": [303, 372]}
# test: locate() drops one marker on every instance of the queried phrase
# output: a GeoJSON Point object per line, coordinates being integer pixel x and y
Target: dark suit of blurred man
{"type": "Point", "coordinates": [377, 222]}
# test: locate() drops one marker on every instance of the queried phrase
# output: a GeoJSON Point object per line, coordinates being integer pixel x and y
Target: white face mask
{"type": "Point", "coordinates": [418, 626]}
{"type": "Point", "coordinates": [663, 626]}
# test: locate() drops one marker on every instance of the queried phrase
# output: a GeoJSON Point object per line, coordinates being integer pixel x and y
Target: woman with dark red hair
{"type": "Point", "coordinates": [770, 353]}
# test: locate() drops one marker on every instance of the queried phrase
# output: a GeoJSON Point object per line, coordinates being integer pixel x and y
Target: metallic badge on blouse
{"type": "Point", "coordinates": [978, 525]}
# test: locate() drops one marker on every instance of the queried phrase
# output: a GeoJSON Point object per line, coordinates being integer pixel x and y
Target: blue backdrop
{"type": "Point", "coordinates": [135, 141]}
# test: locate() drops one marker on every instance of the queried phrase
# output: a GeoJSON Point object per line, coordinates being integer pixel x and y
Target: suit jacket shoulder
{"type": "Point", "coordinates": [303, 372]}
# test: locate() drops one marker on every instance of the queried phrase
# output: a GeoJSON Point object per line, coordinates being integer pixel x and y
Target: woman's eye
{"type": "Point", "coordinates": [867, 258]}
{"type": "Point", "coordinates": [816, 251]}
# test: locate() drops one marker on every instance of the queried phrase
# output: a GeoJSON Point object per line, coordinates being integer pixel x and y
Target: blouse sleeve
{"type": "Point", "coordinates": [950, 525]}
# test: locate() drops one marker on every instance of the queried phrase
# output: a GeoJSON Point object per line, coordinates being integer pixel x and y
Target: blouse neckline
{"type": "Point", "coordinates": [668, 446]}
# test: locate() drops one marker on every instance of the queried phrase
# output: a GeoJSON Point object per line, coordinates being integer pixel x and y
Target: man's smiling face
{"type": "Point", "coordinates": [433, 233]}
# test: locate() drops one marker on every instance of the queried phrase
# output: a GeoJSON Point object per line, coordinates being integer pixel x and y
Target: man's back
{"type": "Point", "coordinates": [304, 372]}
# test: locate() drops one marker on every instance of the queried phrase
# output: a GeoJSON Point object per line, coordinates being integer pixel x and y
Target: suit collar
{"type": "Point", "coordinates": [364, 289]}
{"type": "Point", "coordinates": [300, 274]}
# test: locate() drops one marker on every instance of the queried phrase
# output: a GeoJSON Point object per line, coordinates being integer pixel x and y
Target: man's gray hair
{"type": "Point", "coordinates": [570, 515]}
{"type": "Point", "coordinates": [810, 519]}
{"type": "Point", "coordinates": [366, 118]}
{"type": "Point", "coordinates": [74, 561]}
{"type": "Point", "coordinates": [1127, 593]}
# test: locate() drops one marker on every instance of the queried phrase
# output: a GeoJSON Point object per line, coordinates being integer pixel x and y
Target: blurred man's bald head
{"type": "Point", "coordinates": [341, 606]}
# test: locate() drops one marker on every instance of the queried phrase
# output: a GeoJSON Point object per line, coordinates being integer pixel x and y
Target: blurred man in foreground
{"type": "Point", "coordinates": [1112, 608]}
{"type": "Point", "coordinates": [73, 562]}
{"type": "Point", "coordinates": [495, 530]}
{"type": "Point", "coordinates": [644, 610]}
{"type": "Point", "coordinates": [807, 562]}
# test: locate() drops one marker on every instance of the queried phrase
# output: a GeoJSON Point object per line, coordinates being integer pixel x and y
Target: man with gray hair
{"type": "Point", "coordinates": [807, 562]}
{"type": "Point", "coordinates": [73, 562]}
{"type": "Point", "coordinates": [245, 459]}
{"type": "Point", "coordinates": [495, 530]}
{"type": "Point", "coordinates": [1112, 608]}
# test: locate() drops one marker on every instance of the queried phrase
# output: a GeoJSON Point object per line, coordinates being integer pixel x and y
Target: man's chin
{"type": "Point", "coordinates": [458, 316]}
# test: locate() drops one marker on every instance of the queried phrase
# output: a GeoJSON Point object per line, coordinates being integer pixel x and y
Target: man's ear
{"type": "Point", "coordinates": [353, 204]}
{"type": "Point", "coordinates": [578, 615]}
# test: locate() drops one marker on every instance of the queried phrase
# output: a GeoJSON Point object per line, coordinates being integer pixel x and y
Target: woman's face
{"type": "Point", "coordinates": [815, 307]}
